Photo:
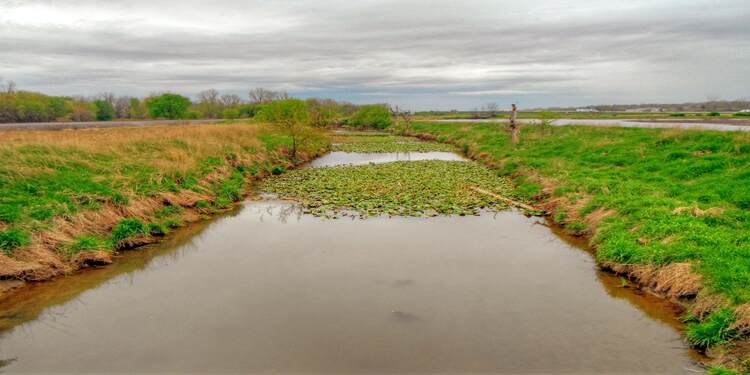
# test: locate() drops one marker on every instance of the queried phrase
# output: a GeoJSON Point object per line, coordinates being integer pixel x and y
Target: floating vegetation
{"type": "Point", "coordinates": [404, 188]}
{"type": "Point", "coordinates": [385, 143]}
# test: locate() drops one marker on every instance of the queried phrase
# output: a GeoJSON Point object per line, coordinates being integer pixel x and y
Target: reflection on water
{"type": "Point", "coordinates": [360, 158]}
{"type": "Point", "coordinates": [268, 289]}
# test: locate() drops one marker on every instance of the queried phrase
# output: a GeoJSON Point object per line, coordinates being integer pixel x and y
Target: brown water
{"type": "Point", "coordinates": [268, 290]}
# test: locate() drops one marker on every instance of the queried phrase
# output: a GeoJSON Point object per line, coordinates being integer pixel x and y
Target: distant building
{"type": "Point", "coordinates": [645, 109]}
{"type": "Point", "coordinates": [586, 110]}
{"type": "Point", "coordinates": [745, 110]}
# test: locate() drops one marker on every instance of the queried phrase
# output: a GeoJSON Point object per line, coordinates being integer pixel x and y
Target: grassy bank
{"type": "Point", "coordinates": [71, 198]}
{"type": "Point", "coordinates": [668, 208]}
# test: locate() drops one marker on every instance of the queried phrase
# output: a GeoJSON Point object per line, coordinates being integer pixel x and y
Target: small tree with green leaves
{"type": "Point", "coordinates": [291, 115]}
{"type": "Point", "coordinates": [171, 106]}
{"type": "Point", "coordinates": [376, 116]}
{"type": "Point", "coordinates": [104, 110]}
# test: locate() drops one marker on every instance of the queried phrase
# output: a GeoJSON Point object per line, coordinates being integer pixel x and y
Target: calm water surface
{"type": "Point", "coordinates": [268, 290]}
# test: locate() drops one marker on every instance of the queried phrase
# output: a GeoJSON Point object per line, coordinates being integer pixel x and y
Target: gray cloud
{"type": "Point", "coordinates": [423, 54]}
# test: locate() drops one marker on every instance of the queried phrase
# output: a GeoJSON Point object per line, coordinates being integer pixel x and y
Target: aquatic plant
{"type": "Point", "coordinates": [407, 188]}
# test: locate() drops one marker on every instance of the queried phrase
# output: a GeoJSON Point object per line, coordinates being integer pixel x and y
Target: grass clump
{"type": "Point", "coordinates": [87, 243]}
{"type": "Point", "coordinates": [12, 239]}
{"type": "Point", "coordinates": [354, 143]}
{"type": "Point", "coordinates": [128, 229]}
{"type": "Point", "coordinates": [715, 329]}
{"type": "Point", "coordinates": [407, 188]}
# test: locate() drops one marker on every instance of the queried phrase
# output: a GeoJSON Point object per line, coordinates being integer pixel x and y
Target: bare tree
{"type": "Point", "coordinates": [208, 103]}
{"type": "Point", "coordinates": [230, 100]}
{"type": "Point", "coordinates": [491, 109]}
{"type": "Point", "coordinates": [261, 95]}
{"type": "Point", "coordinates": [122, 107]}
{"type": "Point", "coordinates": [8, 88]}
{"type": "Point", "coordinates": [108, 97]}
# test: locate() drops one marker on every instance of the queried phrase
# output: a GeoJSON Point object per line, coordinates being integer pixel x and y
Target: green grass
{"type": "Point", "coordinates": [12, 239]}
{"type": "Point", "coordinates": [722, 371]}
{"type": "Point", "coordinates": [408, 188]}
{"type": "Point", "coordinates": [88, 243]}
{"type": "Point", "coordinates": [643, 175]}
{"type": "Point", "coordinates": [715, 329]}
{"type": "Point", "coordinates": [128, 229]}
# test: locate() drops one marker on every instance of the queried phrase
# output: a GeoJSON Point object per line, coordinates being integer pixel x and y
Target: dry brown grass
{"type": "Point", "coordinates": [170, 149]}
{"type": "Point", "coordinates": [159, 152]}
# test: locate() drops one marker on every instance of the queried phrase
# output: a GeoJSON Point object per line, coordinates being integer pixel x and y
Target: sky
{"type": "Point", "coordinates": [417, 54]}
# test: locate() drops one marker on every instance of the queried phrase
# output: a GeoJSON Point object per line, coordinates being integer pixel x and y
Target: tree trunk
{"type": "Point", "coordinates": [514, 134]}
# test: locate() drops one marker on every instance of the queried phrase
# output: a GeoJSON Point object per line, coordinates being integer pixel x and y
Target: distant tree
{"type": "Point", "coordinates": [491, 109]}
{"type": "Point", "coordinates": [230, 100]}
{"type": "Point", "coordinates": [122, 107]}
{"type": "Point", "coordinates": [10, 87]}
{"type": "Point", "coordinates": [260, 95]}
{"type": "Point", "coordinates": [208, 103]}
{"type": "Point", "coordinates": [107, 97]}
{"type": "Point", "coordinates": [171, 106]}
{"type": "Point", "coordinates": [291, 115]}
{"type": "Point", "coordinates": [323, 112]}
{"type": "Point", "coordinates": [82, 111]}
{"type": "Point", "coordinates": [376, 116]}
{"type": "Point", "coordinates": [137, 109]}
{"type": "Point", "coordinates": [104, 110]}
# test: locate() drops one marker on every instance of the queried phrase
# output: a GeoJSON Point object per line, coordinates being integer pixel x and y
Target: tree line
{"type": "Point", "coordinates": [26, 106]}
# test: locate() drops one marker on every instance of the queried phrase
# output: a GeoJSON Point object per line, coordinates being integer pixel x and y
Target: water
{"type": "Point", "coordinates": [266, 289]}
{"type": "Point", "coordinates": [360, 158]}
{"type": "Point", "coordinates": [622, 124]}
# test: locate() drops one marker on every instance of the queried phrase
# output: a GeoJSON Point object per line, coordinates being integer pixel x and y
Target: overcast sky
{"type": "Point", "coordinates": [420, 54]}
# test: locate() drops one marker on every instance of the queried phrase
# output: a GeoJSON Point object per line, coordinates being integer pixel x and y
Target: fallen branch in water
{"type": "Point", "coordinates": [509, 201]}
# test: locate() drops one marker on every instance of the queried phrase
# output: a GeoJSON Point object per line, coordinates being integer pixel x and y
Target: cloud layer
{"type": "Point", "coordinates": [424, 54]}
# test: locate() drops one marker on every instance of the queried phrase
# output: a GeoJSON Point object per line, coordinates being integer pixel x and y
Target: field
{"type": "Point", "coordinates": [667, 208]}
{"type": "Point", "coordinates": [725, 117]}
{"type": "Point", "coordinates": [69, 198]}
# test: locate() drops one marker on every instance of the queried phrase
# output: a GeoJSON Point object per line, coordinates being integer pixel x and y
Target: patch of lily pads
{"type": "Point", "coordinates": [385, 143]}
{"type": "Point", "coordinates": [403, 188]}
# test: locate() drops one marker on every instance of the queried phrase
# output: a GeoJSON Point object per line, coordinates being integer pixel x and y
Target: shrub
{"type": "Point", "coordinates": [714, 114]}
{"type": "Point", "coordinates": [248, 110]}
{"type": "Point", "coordinates": [742, 114]}
{"type": "Point", "coordinates": [678, 114]}
{"type": "Point", "coordinates": [171, 106]}
{"type": "Point", "coordinates": [104, 110]}
{"type": "Point", "coordinates": [371, 116]}
{"type": "Point", "coordinates": [290, 115]}
{"type": "Point", "coordinates": [231, 113]}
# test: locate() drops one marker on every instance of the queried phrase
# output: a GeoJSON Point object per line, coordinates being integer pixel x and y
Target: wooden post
{"type": "Point", "coordinates": [513, 125]}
